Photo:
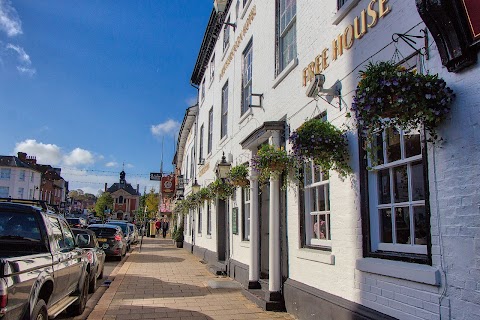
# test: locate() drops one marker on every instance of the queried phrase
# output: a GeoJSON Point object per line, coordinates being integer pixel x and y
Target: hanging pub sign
{"type": "Point", "coordinates": [472, 8]}
{"type": "Point", "coordinates": [168, 185]}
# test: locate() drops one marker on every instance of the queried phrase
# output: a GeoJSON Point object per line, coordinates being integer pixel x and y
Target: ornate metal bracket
{"type": "Point", "coordinates": [409, 40]}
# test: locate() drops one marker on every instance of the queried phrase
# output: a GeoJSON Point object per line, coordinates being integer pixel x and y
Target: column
{"type": "Point", "coordinates": [274, 281]}
{"type": "Point", "coordinates": [254, 270]}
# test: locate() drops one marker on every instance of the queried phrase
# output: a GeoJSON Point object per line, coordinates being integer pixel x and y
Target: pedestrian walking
{"type": "Point", "coordinates": [164, 226]}
{"type": "Point", "coordinates": [158, 225]}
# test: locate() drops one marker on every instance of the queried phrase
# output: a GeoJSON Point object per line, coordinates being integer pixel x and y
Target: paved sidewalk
{"type": "Point", "coordinates": [163, 282]}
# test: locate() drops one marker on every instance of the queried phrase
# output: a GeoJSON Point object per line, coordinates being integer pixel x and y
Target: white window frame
{"type": "Point", "coordinates": [290, 26]}
{"type": "Point", "coordinates": [247, 75]}
{"type": "Point", "coordinates": [4, 189]}
{"type": "Point", "coordinates": [202, 91]}
{"type": "Point", "coordinates": [21, 175]}
{"type": "Point", "coordinates": [200, 156]}
{"type": "Point", "coordinates": [210, 131]}
{"type": "Point", "coordinates": [226, 34]}
{"type": "Point", "coordinates": [199, 223]}
{"type": "Point", "coordinates": [323, 183]}
{"type": "Point", "coordinates": [21, 191]}
{"type": "Point", "coordinates": [212, 68]}
{"type": "Point", "coordinates": [246, 215]}
{"type": "Point", "coordinates": [209, 218]}
{"type": "Point", "coordinates": [224, 119]}
{"type": "Point", "coordinates": [373, 192]}
{"type": "Point", "coordinates": [5, 174]}
{"type": "Point", "coordinates": [192, 163]}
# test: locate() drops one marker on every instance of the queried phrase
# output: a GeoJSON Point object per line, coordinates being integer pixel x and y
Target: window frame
{"type": "Point", "coordinates": [366, 209]}
{"type": "Point", "coordinates": [212, 68]}
{"type": "Point", "coordinates": [246, 220]}
{"type": "Point", "coordinates": [210, 131]}
{"type": "Point", "coordinates": [224, 110]}
{"type": "Point", "coordinates": [199, 226]}
{"type": "Point", "coordinates": [192, 162]}
{"type": "Point", "coordinates": [209, 218]}
{"type": "Point", "coordinates": [22, 175]}
{"type": "Point", "coordinates": [341, 3]}
{"type": "Point", "coordinates": [200, 152]}
{"type": "Point", "coordinates": [5, 173]}
{"type": "Point", "coordinates": [5, 188]}
{"type": "Point", "coordinates": [247, 77]}
{"type": "Point", "coordinates": [226, 34]}
{"type": "Point", "coordinates": [202, 92]}
{"type": "Point", "coordinates": [291, 25]}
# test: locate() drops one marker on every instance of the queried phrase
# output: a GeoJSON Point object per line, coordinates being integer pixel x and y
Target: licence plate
{"type": "Point", "coordinates": [102, 240]}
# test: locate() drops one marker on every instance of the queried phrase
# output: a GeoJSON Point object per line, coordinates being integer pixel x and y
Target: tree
{"type": "Point", "coordinates": [151, 202]}
{"type": "Point", "coordinates": [104, 201]}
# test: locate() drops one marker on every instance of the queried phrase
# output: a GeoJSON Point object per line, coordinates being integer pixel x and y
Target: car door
{"type": "Point", "coordinates": [75, 257]}
{"type": "Point", "coordinates": [61, 272]}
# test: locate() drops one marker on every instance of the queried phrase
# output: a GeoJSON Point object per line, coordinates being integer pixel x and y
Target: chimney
{"type": "Point", "coordinates": [138, 189]}
{"type": "Point", "coordinates": [22, 156]}
{"type": "Point", "coordinates": [31, 160]}
{"type": "Point", "coordinates": [105, 187]}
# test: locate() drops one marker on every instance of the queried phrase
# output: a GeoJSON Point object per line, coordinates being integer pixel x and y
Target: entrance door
{"type": "Point", "coordinates": [222, 230]}
{"type": "Point", "coordinates": [264, 230]}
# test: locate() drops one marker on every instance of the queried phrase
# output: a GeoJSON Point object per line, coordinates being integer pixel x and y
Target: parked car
{"type": "Point", "coordinates": [126, 231]}
{"type": "Point", "coordinates": [111, 239]}
{"type": "Point", "coordinates": [87, 240]}
{"type": "Point", "coordinates": [42, 271]}
{"type": "Point", "coordinates": [77, 222]}
{"type": "Point", "coordinates": [134, 232]}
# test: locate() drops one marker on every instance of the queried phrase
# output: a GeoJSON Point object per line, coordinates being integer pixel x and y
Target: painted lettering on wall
{"type": "Point", "coordinates": [240, 37]}
{"type": "Point", "coordinates": [367, 19]}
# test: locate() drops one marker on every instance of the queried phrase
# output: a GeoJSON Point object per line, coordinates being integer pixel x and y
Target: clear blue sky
{"type": "Point", "coordinates": [87, 85]}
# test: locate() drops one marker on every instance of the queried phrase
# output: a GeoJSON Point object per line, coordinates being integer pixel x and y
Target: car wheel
{"type": "Point", "coordinates": [40, 311]}
{"type": "Point", "coordinates": [78, 308]}
{"type": "Point", "coordinates": [92, 286]}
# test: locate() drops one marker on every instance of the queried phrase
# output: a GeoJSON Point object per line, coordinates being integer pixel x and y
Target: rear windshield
{"type": "Point", "coordinates": [121, 225]}
{"type": "Point", "coordinates": [19, 226]}
{"type": "Point", "coordinates": [103, 232]}
{"type": "Point", "coordinates": [73, 220]}
{"type": "Point", "coordinates": [82, 243]}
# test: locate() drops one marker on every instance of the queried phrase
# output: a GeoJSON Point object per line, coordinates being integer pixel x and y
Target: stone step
{"type": "Point", "coordinates": [258, 296]}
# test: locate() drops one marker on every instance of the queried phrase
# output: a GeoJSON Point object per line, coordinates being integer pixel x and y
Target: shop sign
{"type": "Point", "coordinates": [472, 8]}
{"type": "Point", "coordinates": [368, 19]}
{"type": "Point", "coordinates": [168, 184]}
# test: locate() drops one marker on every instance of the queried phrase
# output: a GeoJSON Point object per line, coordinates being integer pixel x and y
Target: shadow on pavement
{"type": "Point", "coordinates": [156, 313]}
{"type": "Point", "coordinates": [139, 258]}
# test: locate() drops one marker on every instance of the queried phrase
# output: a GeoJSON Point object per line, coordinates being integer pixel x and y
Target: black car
{"type": "Point", "coordinates": [127, 232]}
{"type": "Point", "coordinates": [87, 240]}
{"type": "Point", "coordinates": [77, 222]}
{"type": "Point", "coordinates": [111, 239]}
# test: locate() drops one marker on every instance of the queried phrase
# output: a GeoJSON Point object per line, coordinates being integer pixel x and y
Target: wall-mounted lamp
{"type": "Point", "coordinates": [195, 186]}
{"type": "Point", "coordinates": [223, 168]}
{"type": "Point", "coordinates": [220, 6]}
{"type": "Point", "coordinates": [316, 87]}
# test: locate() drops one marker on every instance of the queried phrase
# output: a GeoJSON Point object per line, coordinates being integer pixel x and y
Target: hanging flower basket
{"type": "Point", "coordinates": [238, 176]}
{"type": "Point", "coordinates": [270, 160]}
{"type": "Point", "coordinates": [205, 194]}
{"type": "Point", "coordinates": [390, 96]}
{"type": "Point", "coordinates": [221, 189]}
{"type": "Point", "coordinates": [324, 144]}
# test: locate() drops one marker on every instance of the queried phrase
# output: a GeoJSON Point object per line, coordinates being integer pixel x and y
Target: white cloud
{"type": "Point", "coordinates": [22, 55]}
{"type": "Point", "coordinates": [45, 153]}
{"type": "Point", "coordinates": [169, 127]}
{"type": "Point", "coordinates": [28, 71]}
{"type": "Point", "coordinates": [10, 23]}
{"type": "Point", "coordinates": [78, 157]}
{"type": "Point", "coordinates": [111, 164]}
{"type": "Point", "coordinates": [129, 165]}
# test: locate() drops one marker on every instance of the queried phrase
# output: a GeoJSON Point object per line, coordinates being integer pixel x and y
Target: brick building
{"type": "Point", "coordinates": [126, 198]}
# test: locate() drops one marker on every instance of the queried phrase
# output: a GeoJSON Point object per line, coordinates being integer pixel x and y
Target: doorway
{"type": "Point", "coordinates": [264, 229]}
{"type": "Point", "coordinates": [222, 230]}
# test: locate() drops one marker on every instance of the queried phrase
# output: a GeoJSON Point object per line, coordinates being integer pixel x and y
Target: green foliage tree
{"type": "Point", "coordinates": [105, 200]}
{"type": "Point", "coordinates": [151, 202]}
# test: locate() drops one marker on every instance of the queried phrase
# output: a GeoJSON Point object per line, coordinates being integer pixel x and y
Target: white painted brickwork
{"type": "Point", "coordinates": [454, 167]}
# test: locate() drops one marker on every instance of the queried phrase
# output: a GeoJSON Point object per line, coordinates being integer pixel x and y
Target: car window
{"type": "Point", "coordinates": [57, 234]}
{"type": "Point", "coordinates": [68, 235]}
{"type": "Point", "coordinates": [14, 224]}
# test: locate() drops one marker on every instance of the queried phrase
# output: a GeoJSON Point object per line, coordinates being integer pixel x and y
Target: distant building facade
{"type": "Point", "coordinates": [126, 199]}
{"type": "Point", "coordinates": [18, 179]}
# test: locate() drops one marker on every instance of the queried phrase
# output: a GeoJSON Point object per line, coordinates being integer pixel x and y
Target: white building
{"type": "Point", "coordinates": [17, 179]}
{"type": "Point", "coordinates": [423, 262]}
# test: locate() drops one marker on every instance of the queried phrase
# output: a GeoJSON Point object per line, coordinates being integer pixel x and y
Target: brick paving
{"type": "Point", "coordinates": [163, 282]}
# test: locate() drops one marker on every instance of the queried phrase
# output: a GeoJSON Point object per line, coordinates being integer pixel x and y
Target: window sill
{"type": "Point", "coordinates": [245, 115]}
{"type": "Point", "coordinates": [199, 235]}
{"type": "Point", "coordinates": [400, 270]}
{"type": "Point", "coordinates": [343, 11]}
{"type": "Point", "coordinates": [208, 236]}
{"type": "Point", "coordinates": [245, 9]}
{"type": "Point", "coordinates": [222, 141]}
{"type": "Point", "coordinates": [325, 257]}
{"type": "Point", "coordinates": [282, 75]}
{"type": "Point", "coordinates": [245, 244]}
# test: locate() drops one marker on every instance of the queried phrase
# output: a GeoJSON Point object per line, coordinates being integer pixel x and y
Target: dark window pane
{"type": "Point", "coordinates": [393, 145]}
{"type": "Point", "coordinates": [308, 173]}
{"type": "Point", "coordinates": [378, 150]}
{"type": "Point", "coordinates": [384, 186]}
{"type": "Point", "coordinates": [421, 224]}
{"type": "Point", "coordinates": [412, 144]}
{"type": "Point", "coordinates": [418, 187]}
{"type": "Point", "coordinates": [313, 199]}
{"type": "Point", "coordinates": [321, 198]}
{"type": "Point", "coordinates": [329, 237]}
{"type": "Point", "coordinates": [317, 176]}
{"type": "Point", "coordinates": [400, 184]}
{"type": "Point", "coordinates": [385, 225]}
{"type": "Point", "coordinates": [402, 221]}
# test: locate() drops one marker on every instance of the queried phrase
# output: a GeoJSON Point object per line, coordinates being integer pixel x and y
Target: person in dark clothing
{"type": "Point", "coordinates": [158, 225]}
{"type": "Point", "coordinates": [164, 227]}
